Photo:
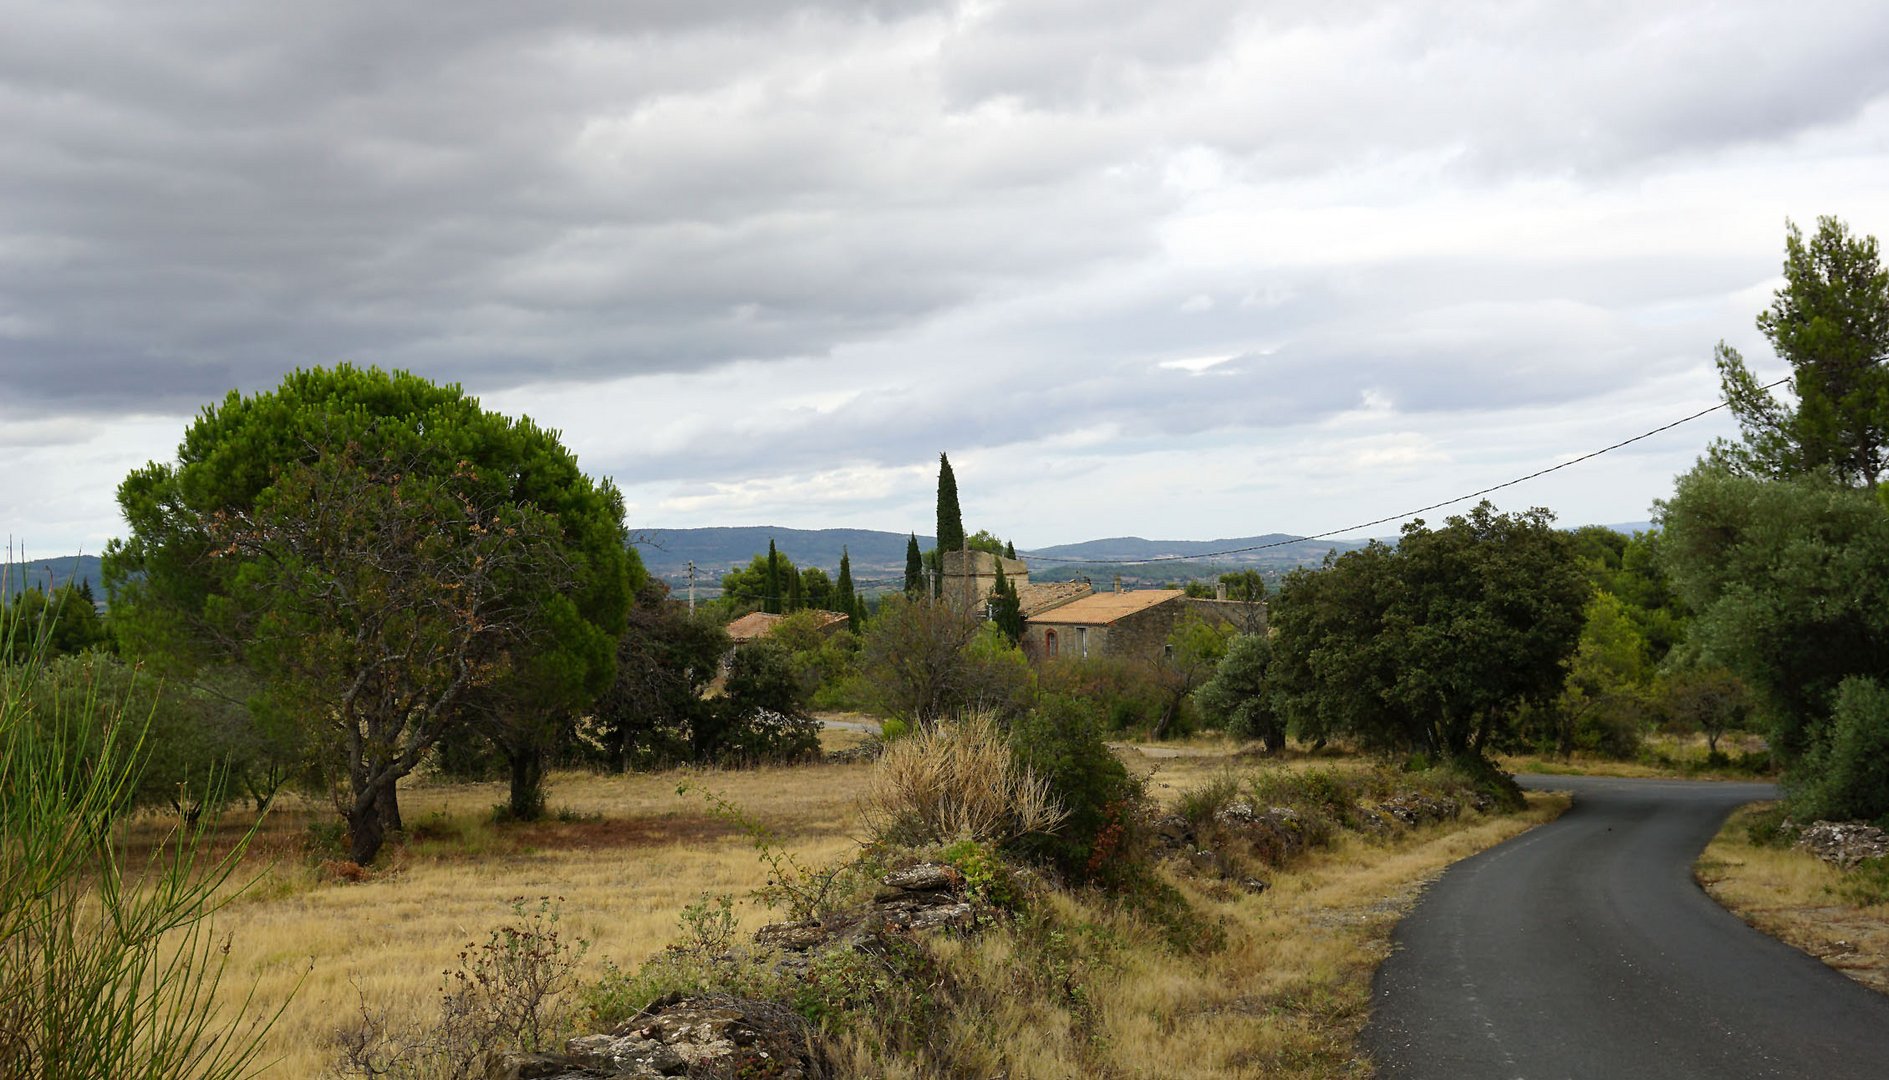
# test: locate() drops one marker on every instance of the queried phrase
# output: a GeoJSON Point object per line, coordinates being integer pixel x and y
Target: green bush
{"type": "Point", "coordinates": [1765, 828]}
{"type": "Point", "coordinates": [1128, 694]}
{"type": "Point", "coordinates": [1061, 741]}
{"type": "Point", "coordinates": [1846, 774]}
{"type": "Point", "coordinates": [762, 715]}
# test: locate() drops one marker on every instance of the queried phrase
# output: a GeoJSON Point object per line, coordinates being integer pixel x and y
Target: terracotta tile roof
{"type": "Point", "coordinates": [1035, 599]}
{"type": "Point", "coordinates": [1101, 609]}
{"type": "Point", "coordinates": [755, 624]}
{"type": "Point", "coordinates": [759, 624]}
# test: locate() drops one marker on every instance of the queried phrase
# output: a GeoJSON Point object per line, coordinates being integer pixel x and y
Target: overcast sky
{"type": "Point", "coordinates": [1188, 269]}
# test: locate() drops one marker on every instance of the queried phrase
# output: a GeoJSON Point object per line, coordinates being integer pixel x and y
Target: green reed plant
{"type": "Point", "coordinates": [109, 965]}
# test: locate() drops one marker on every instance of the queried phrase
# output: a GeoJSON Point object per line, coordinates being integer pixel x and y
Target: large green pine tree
{"type": "Point", "coordinates": [1830, 322]}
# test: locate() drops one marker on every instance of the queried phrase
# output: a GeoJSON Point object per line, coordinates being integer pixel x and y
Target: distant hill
{"type": "Point", "coordinates": [34, 573]}
{"type": "Point", "coordinates": [1272, 549]}
{"type": "Point", "coordinates": [879, 557]}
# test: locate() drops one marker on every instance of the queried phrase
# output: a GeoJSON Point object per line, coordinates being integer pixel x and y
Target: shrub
{"type": "Point", "coordinates": [513, 991]}
{"type": "Point", "coordinates": [1846, 774]}
{"type": "Point", "coordinates": [762, 716]}
{"type": "Point", "coordinates": [957, 781]}
{"type": "Point", "coordinates": [1128, 694]}
{"type": "Point", "coordinates": [1061, 741]}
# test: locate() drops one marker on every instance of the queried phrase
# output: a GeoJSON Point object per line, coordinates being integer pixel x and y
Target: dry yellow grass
{"type": "Point", "coordinates": [624, 879]}
{"type": "Point", "coordinates": [1796, 898]}
{"type": "Point", "coordinates": [1285, 998]}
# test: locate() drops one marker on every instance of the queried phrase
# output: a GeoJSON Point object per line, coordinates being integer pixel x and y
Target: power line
{"type": "Point", "coordinates": [1069, 561]}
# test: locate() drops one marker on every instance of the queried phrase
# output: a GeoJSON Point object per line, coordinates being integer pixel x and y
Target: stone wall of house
{"type": "Point", "coordinates": [1069, 643]}
{"type": "Point", "coordinates": [1140, 636]}
{"type": "Point", "coordinates": [1144, 634]}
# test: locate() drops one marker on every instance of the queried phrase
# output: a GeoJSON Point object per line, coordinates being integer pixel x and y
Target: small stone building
{"type": "Point", "coordinates": [968, 578]}
{"type": "Point", "coordinates": [1132, 625]}
{"type": "Point", "coordinates": [1105, 624]}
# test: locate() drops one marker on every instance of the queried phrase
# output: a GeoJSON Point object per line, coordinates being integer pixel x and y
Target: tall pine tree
{"type": "Point", "coordinates": [914, 567]}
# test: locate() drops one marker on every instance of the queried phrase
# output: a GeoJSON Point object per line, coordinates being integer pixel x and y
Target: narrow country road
{"type": "Point", "coordinates": [1583, 949]}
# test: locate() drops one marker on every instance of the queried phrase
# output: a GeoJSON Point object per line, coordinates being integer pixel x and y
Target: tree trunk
{"type": "Point", "coordinates": [527, 781]}
{"type": "Point", "coordinates": [365, 832]}
{"type": "Point", "coordinates": [390, 809]}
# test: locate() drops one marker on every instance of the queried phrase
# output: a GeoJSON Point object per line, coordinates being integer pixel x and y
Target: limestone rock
{"type": "Point", "coordinates": [1844, 843]}
{"type": "Point", "coordinates": [924, 877]}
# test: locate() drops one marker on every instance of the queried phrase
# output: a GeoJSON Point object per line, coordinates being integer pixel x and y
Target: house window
{"type": "Point", "coordinates": [1082, 642]}
{"type": "Point", "coordinates": [1049, 642]}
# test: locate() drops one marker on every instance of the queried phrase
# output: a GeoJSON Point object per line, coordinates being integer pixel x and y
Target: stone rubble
{"type": "Point", "coordinates": [1844, 843]}
{"type": "Point", "coordinates": [717, 1036]}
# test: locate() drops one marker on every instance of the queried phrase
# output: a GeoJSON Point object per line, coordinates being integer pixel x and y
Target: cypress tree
{"type": "Point", "coordinates": [847, 603]}
{"type": "Point", "coordinates": [950, 520]}
{"type": "Point", "coordinates": [1010, 550]}
{"type": "Point", "coordinates": [796, 593]}
{"type": "Point", "coordinates": [914, 567]}
{"type": "Point", "coordinates": [1006, 608]}
{"type": "Point", "coordinates": [771, 603]}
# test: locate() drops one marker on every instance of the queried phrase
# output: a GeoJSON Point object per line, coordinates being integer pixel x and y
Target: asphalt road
{"type": "Point", "coordinates": [1583, 949]}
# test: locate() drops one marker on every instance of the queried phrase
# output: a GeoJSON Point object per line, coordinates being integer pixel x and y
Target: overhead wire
{"type": "Point", "coordinates": [1074, 561]}
{"type": "Point", "coordinates": [1070, 560]}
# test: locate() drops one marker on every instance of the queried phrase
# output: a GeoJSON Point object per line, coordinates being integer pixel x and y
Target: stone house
{"type": "Point", "coordinates": [1130, 625]}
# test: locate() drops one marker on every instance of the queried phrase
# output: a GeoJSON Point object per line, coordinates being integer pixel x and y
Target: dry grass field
{"type": "Point", "coordinates": [1662, 755]}
{"type": "Point", "coordinates": [1798, 899]}
{"type": "Point", "coordinates": [627, 853]}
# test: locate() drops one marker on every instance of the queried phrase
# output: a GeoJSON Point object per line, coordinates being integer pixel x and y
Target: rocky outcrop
{"type": "Point", "coordinates": [1844, 843]}
{"type": "Point", "coordinates": [1415, 808]}
{"type": "Point", "coordinates": [686, 1037]}
{"type": "Point", "coordinates": [718, 1036]}
{"type": "Point", "coordinates": [864, 754]}
{"type": "Point", "coordinates": [912, 899]}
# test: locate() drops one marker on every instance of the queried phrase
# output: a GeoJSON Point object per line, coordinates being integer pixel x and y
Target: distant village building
{"type": "Point", "coordinates": [1130, 625]}
{"type": "Point", "coordinates": [969, 580]}
{"type": "Point", "coordinates": [756, 625]}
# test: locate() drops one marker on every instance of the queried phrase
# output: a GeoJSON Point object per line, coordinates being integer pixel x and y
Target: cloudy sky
{"type": "Point", "coordinates": [1181, 269]}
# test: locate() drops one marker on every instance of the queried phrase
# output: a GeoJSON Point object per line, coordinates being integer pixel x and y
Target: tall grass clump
{"type": "Point", "coordinates": [957, 781]}
{"type": "Point", "coordinates": [109, 967]}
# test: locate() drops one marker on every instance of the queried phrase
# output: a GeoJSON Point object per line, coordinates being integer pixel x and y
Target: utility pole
{"type": "Point", "coordinates": [691, 586]}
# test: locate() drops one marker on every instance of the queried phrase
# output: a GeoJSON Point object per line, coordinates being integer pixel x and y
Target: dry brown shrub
{"type": "Point", "coordinates": [956, 781]}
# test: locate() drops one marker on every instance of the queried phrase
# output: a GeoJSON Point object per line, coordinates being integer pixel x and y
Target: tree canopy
{"type": "Point", "coordinates": [1435, 644]}
{"type": "Point", "coordinates": [1830, 322]}
{"type": "Point", "coordinates": [380, 551]}
{"type": "Point", "coordinates": [1790, 582]}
